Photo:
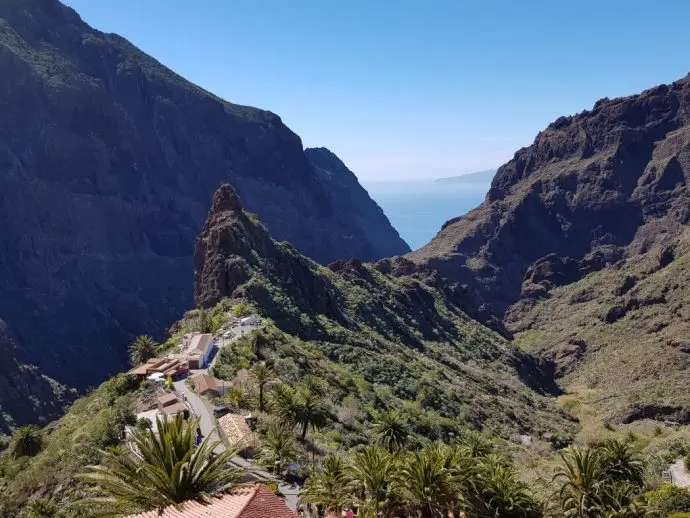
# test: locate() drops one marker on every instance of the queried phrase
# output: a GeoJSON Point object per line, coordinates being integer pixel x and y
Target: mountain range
{"type": "Point", "coordinates": [580, 251]}
{"type": "Point", "coordinates": [571, 274]}
{"type": "Point", "coordinates": [108, 162]}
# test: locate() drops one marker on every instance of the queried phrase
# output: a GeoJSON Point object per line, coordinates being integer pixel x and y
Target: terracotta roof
{"type": "Point", "coordinates": [168, 399]}
{"type": "Point", "coordinates": [249, 502]}
{"type": "Point", "coordinates": [204, 382]}
{"type": "Point", "coordinates": [175, 408]}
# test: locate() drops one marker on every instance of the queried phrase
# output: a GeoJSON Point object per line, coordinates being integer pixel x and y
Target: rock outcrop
{"type": "Point", "coordinates": [108, 162]}
{"type": "Point", "coordinates": [372, 319]}
{"type": "Point", "coordinates": [601, 195]}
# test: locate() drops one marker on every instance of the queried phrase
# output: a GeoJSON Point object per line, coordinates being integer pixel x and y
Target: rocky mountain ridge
{"type": "Point", "coordinates": [370, 319]}
{"type": "Point", "coordinates": [108, 162]}
{"type": "Point", "coordinates": [596, 196]}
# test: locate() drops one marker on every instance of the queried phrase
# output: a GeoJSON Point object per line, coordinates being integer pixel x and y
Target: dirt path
{"type": "Point", "coordinates": [680, 475]}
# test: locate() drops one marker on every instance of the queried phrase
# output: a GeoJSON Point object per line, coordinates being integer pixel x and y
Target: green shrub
{"type": "Point", "coordinates": [687, 463]}
{"type": "Point", "coordinates": [27, 442]}
{"type": "Point", "coordinates": [144, 424]}
{"type": "Point", "coordinates": [241, 309]}
{"type": "Point", "coordinates": [670, 499]}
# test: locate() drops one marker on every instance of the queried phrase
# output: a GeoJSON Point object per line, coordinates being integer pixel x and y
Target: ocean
{"type": "Point", "coordinates": [418, 209]}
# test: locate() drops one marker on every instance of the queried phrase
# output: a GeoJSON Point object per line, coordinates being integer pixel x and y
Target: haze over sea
{"type": "Point", "coordinates": [418, 208]}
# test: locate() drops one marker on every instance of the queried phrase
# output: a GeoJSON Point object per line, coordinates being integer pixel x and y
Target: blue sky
{"type": "Point", "coordinates": [410, 89]}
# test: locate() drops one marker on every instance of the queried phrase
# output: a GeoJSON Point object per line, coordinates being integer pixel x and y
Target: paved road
{"type": "Point", "coordinates": [208, 428]}
{"type": "Point", "coordinates": [679, 474]}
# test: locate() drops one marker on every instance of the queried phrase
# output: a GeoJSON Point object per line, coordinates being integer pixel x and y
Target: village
{"type": "Point", "coordinates": [185, 387]}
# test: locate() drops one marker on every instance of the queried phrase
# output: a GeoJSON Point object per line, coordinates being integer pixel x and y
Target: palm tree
{"type": "Point", "coordinates": [161, 468]}
{"type": "Point", "coordinates": [262, 375]}
{"type": "Point", "coordinates": [311, 412]}
{"type": "Point", "coordinates": [142, 349]}
{"type": "Point", "coordinates": [330, 487]}
{"type": "Point", "coordinates": [503, 495]}
{"type": "Point", "coordinates": [477, 444]}
{"type": "Point", "coordinates": [239, 398]}
{"type": "Point", "coordinates": [430, 488]}
{"type": "Point", "coordinates": [283, 402]}
{"type": "Point", "coordinates": [621, 464]}
{"type": "Point", "coordinates": [582, 473]}
{"type": "Point", "coordinates": [278, 446]}
{"type": "Point", "coordinates": [375, 475]}
{"type": "Point", "coordinates": [27, 442]}
{"type": "Point", "coordinates": [40, 509]}
{"type": "Point", "coordinates": [391, 431]}
{"type": "Point", "coordinates": [623, 500]}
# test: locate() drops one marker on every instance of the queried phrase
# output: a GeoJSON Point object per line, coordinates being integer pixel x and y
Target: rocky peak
{"type": "Point", "coordinates": [108, 164]}
{"type": "Point", "coordinates": [603, 178]}
{"type": "Point", "coordinates": [226, 199]}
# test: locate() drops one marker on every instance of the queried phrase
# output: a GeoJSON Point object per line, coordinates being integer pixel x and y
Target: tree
{"type": "Point", "coordinates": [40, 509]}
{"type": "Point", "coordinates": [167, 468]}
{"type": "Point", "coordinates": [581, 477]}
{"type": "Point", "coordinates": [621, 464]}
{"type": "Point", "coordinates": [262, 375]}
{"type": "Point", "coordinates": [283, 402]}
{"type": "Point", "coordinates": [502, 494]}
{"type": "Point", "coordinates": [278, 447]}
{"type": "Point", "coordinates": [169, 382]}
{"type": "Point", "coordinates": [205, 325]}
{"type": "Point", "coordinates": [311, 412]}
{"type": "Point", "coordinates": [391, 431]}
{"type": "Point", "coordinates": [27, 442]}
{"type": "Point", "coordinates": [144, 424]}
{"type": "Point", "coordinates": [239, 398]}
{"type": "Point", "coordinates": [476, 444]}
{"type": "Point", "coordinates": [430, 488]}
{"type": "Point", "coordinates": [142, 349]}
{"type": "Point", "coordinates": [330, 487]}
{"type": "Point", "coordinates": [375, 475]}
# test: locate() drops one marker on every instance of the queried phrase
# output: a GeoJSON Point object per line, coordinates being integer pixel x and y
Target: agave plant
{"type": "Point", "coordinates": [160, 468]}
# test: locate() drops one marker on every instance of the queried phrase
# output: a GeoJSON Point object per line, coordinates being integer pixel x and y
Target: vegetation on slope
{"type": "Point", "coordinates": [376, 341]}
{"type": "Point", "coordinates": [620, 335]}
{"type": "Point", "coordinates": [93, 423]}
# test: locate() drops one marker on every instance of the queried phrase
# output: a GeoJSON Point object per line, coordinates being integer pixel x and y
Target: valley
{"type": "Point", "coordinates": [196, 309]}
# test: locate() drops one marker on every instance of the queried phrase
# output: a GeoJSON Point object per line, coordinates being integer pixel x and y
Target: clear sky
{"type": "Point", "coordinates": [411, 89]}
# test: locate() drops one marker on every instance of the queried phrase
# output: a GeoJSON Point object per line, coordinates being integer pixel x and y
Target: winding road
{"type": "Point", "coordinates": [208, 427]}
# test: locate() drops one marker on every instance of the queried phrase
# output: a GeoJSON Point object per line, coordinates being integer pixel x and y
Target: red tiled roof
{"type": "Point", "coordinates": [249, 502]}
{"type": "Point", "coordinates": [204, 382]}
{"type": "Point", "coordinates": [175, 408]}
{"type": "Point", "coordinates": [168, 399]}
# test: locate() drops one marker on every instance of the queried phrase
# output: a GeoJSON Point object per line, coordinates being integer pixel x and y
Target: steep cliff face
{"type": "Point", "coordinates": [27, 395]}
{"type": "Point", "coordinates": [108, 162]}
{"type": "Point", "coordinates": [601, 195]}
{"type": "Point", "coordinates": [352, 201]}
{"type": "Point", "coordinates": [372, 320]}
